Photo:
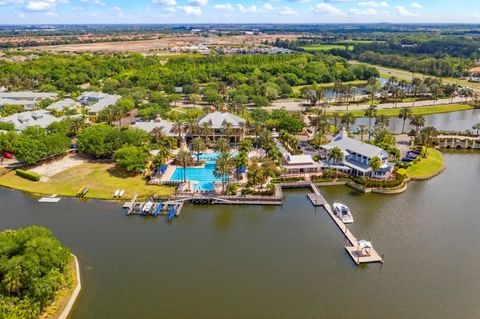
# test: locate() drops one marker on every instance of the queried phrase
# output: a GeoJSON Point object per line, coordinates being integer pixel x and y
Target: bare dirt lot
{"type": "Point", "coordinates": [165, 44]}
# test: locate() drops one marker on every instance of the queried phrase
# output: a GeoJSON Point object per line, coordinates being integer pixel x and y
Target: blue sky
{"type": "Point", "coordinates": [237, 11]}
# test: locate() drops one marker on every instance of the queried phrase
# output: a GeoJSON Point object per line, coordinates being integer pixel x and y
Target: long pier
{"type": "Point", "coordinates": [353, 249]}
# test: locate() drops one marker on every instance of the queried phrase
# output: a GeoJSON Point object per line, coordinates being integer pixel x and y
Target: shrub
{"type": "Point", "coordinates": [28, 175]}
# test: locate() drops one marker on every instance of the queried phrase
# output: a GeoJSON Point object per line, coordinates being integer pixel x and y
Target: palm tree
{"type": "Point", "coordinates": [336, 117]}
{"type": "Point", "coordinates": [242, 130]}
{"type": "Point", "coordinates": [257, 129]}
{"type": "Point", "coordinates": [198, 146]}
{"type": "Point", "coordinates": [222, 145]}
{"type": "Point", "coordinates": [228, 130]}
{"type": "Point", "coordinates": [404, 114]}
{"type": "Point", "coordinates": [375, 163]}
{"type": "Point", "coordinates": [382, 120]}
{"type": "Point", "coordinates": [178, 128]}
{"type": "Point", "coordinates": [158, 133]}
{"type": "Point", "coordinates": [335, 154]}
{"type": "Point", "coordinates": [362, 129]}
{"type": "Point", "coordinates": [207, 130]}
{"type": "Point", "coordinates": [224, 167]}
{"type": "Point", "coordinates": [418, 121]}
{"type": "Point", "coordinates": [425, 138]}
{"type": "Point", "coordinates": [184, 158]}
{"type": "Point", "coordinates": [476, 127]}
{"type": "Point", "coordinates": [371, 112]}
{"type": "Point", "coordinates": [256, 173]}
{"type": "Point", "coordinates": [348, 119]}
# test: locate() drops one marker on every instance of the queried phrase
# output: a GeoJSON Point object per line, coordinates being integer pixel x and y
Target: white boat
{"type": "Point", "coordinates": [147, 207]}
{"type": "Point", "coordinates": [343, 212]}
{"type": "Point", "coordinates": [116, 193]}
{"type": "Point", "coordinates": [120, 194]}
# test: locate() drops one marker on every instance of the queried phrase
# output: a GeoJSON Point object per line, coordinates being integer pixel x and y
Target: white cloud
{"type": "Point", "coordinates": [373, 4]}
{"type": "Point", "coordinates": [366, 12]}
{"type": "Point", "coordinates": [223, 6]}
{"type": "Point", "coordinates": [39, 5]}
{"type": "Point", "coordinates": [288, 11]}
{"type": "Point", "coordinates": [191, 10]}
{"type": "Point", "coordinates": [404, 12]}
{"type": "Point", "coordinates": [268, 6]}
{"type": "Point", "coordinates": [169, 10]}
{"type": "Point", "coordinates": [250, 9]}
{"type": "Point", "coordinates": [97, 2]}
{"type": "Point", "coordinates": [165, 2]}
{"type": "Point", "coordinates": [326, 8]}
{"type": "Point", "coordinates": [198, 2]}
{"type": "Point", "coordinates": [416, 5]}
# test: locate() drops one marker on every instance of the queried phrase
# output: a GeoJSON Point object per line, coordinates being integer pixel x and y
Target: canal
{"type": "Point", "coordinates": [276, 262]}
{"type": "Point", "coordinates": [454, 121]}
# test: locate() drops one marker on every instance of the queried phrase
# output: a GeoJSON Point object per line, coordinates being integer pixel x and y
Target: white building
{"type": "Point", "coordinates": [297, 164]}
{"type": "Point", "coordinates": [95, 102]}
{"type": "Point", "coordinates": [217, 121]}
{"type": "Point", "coordinates": [357, 156]}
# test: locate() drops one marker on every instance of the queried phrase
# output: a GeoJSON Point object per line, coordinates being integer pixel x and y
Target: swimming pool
{"type": "Point", "coordinates": [204, 176]}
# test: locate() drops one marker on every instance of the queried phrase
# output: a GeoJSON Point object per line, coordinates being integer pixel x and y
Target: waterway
{"type": "Point", "coordinates": [276, 262]}
{"type": "Point", "coordinates": [454, 121]}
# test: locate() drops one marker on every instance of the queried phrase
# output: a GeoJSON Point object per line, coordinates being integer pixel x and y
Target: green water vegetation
{"type": "Point", "coordinates": [34, 270]}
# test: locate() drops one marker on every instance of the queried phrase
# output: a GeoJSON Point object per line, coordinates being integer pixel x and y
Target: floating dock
{"type": "Point", "coordinates": [50, 199]}
{"type": "Point", "coordinates": [169, 208]}
{"type": "Point", "coordinates": [353, 249]}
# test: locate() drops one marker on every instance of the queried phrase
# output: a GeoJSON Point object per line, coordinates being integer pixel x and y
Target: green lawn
{"type": "Point", "coordinates": [427, 167]}
{"type": "Point", "coordinates": [102, 180]}
{"type": "Point", "coordinates": [326, 47]}
{"type": "Point", "coordinates": [422, 110]}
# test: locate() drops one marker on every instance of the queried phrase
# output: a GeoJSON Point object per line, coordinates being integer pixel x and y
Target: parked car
{"type": "Point", "coordinates": [407, 159]}
{"type": "Point", "coordinates": [7, 155]}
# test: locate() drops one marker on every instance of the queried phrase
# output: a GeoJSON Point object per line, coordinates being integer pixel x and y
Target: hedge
{"type": "Point", "coordinates": [28, 175]}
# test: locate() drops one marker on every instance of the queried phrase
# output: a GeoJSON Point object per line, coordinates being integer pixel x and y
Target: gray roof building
{"type": "Point", "coordinates": [63, 104]}
{"type": "Point", "coordinates": [97, 101]}
{"type": "Point", "coordinates": [149, 126]}
{"type": "Point", "coordinates": [217, 119]}
{"type": "Point", "coordinates": [22, 120]}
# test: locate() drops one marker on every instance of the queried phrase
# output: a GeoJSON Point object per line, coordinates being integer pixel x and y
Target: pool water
{"type": "Point", "coordinates": [204, 176]}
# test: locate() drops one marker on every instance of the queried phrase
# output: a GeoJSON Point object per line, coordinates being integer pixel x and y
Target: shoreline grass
{"type": "Point", "coordinates": [101, 179]}
{"type": "Point", "coordinates": [428, 167]}
{"type": "Point", "coordinates": [420, 110]}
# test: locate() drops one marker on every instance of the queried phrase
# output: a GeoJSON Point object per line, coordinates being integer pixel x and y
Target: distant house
{"type": "Point", "coordinates": [357, 156]}
{"type": "Point", "coordinates": [95, 102]}
{"type": "Point", "coordinates": [149, 126]}
{"type": "Point", "coordinates": [27, 99]}
{"type": "Point", "coordinates": [63, 105]}
{"type": "Point", "coordinates": [217, 121]}
{"type": "Point", "coordinates": [474, 74]}
{"type": "Point", "coordinates": [23, 120]}
{"type": "Point", "coordinates": [297, 164]}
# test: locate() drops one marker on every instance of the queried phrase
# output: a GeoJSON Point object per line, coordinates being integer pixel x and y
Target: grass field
{"type": "Point", "coordinates": [326, 47]}
{"type": "Point", "coordinates": [296, 89]}
{"type": "Point", "coordinates": [427, 167]}
{"type": "Point", "coordinates": [102, 180]}
{"type": "Point", "coordinates": [422, 110]}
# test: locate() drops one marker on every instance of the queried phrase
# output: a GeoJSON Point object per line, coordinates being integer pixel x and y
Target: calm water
{"type": "Point", "coordinates": [276, 262]}
{"type": "Point", "coordinates": [454, 121]}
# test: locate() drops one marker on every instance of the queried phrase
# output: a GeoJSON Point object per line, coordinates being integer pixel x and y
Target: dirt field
{"type": "Point", "coordinates": [164, 44]}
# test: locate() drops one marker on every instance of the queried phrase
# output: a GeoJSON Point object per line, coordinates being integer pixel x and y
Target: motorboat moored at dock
{"type": "Point", "coordinates": [343, 213]}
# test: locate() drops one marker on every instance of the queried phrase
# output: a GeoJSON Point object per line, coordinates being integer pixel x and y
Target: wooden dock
{"type": "Point", "coordinates": [135, 207]}
{"type": "Point", "coordinates": [353, 249]}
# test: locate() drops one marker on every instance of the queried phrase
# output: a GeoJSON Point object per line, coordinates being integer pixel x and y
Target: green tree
{"type": "Point", "coordinates": [335, 155]}
{"type": "Point", "coordinates": [29, 150]}
{"type": "Point", "coordinates": [224, 167]}
{"type": "Point", "coordinates": [404, 114]}
{"type": "Point", "coordinates": [375, 163]}
{"type": "Point", "coordinates": [184, 158]}
{"type": "Point", "coordinates": [198, 146]}
{"type": "Point", "coordinates": [371, 112]}
{"type": "Point", "coordinates": [131, 158]}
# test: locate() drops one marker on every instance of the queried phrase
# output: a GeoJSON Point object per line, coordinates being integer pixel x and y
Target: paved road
{"type": "Point", "coordinates": [299, 106]}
